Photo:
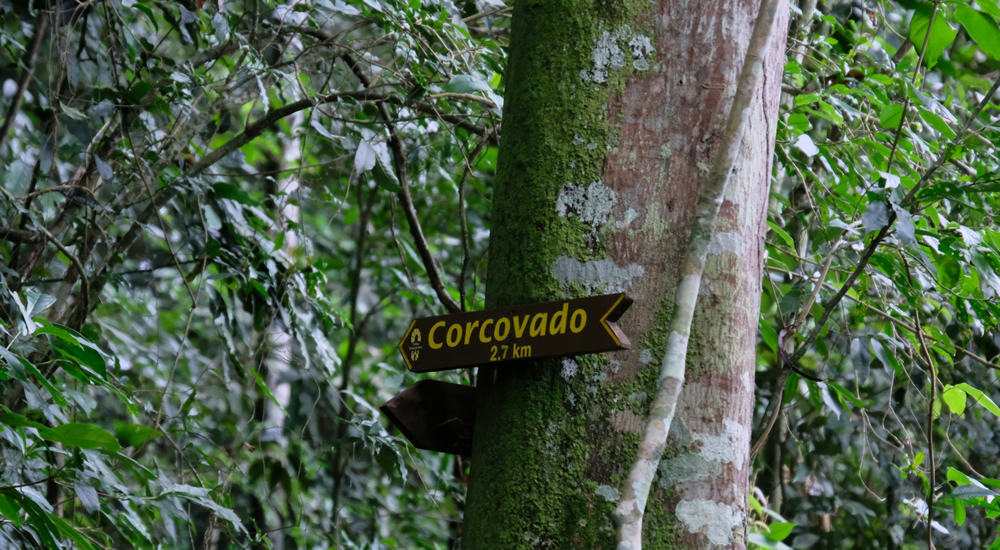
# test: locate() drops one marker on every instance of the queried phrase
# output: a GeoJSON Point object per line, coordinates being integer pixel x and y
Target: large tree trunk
{"type": "Point", "coordinates": [605, 144]}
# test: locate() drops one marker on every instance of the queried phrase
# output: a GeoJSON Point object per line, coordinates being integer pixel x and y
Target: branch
{"type": "Point", "coordinates": [19, 235]}
{"type": "Point", "coordinates": [831, 304]}
{"type": "Point", "coordinates": [255, 129]}
{"type": "Point", "coordinates": [84, 282]}
{"type": "Point", "coordinates": [399, 166]}
{"type": "Point", "coordinates": [22, 84]}
{"type": "Point", "coordinates": [635, 489]}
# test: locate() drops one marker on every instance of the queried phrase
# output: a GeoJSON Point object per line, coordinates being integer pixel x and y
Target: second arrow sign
{"type": "Point", "coordinates": [530, 331]}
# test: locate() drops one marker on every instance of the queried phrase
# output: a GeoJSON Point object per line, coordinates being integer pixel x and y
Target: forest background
{"type": "Point", "coordinates": [218, 218]}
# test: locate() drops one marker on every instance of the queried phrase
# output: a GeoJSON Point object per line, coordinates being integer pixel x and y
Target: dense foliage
{"type": "Point", "coordinates": [209, 257]}
{"type": "Point", "coordinates": [217, 219]}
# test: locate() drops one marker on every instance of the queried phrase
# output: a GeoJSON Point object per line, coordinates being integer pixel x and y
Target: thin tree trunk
{"type": "Point", "coordinates": [612, 118]}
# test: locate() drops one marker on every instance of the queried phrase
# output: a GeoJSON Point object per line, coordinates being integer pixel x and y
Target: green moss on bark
{"type": "Point", "coordinates": [542, 437]}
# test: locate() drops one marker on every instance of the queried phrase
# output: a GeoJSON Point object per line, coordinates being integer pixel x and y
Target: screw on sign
{"type": "Point", "coordinates": [530, 331]}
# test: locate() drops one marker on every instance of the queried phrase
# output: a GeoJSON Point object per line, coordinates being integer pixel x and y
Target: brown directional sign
{"type": "Point", "coordinates": [436, 416]}
{"type": "Point", "coordinates": [530, 331]}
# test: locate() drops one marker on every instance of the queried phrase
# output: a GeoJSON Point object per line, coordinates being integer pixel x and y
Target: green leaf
{"type": "Point", "coordinates": [133, 435]}
{"type": "Point", "coordinates": [958, 477]}
{"type": "Point", "coordinates": [941, 35]}
{"type": "Point", "coordinates": [799, 122]}
{"type": "Point", "coordinates": [782, 233]}
{"type": "Point", "coordinates": [980, 398]}
{"type": "Point", "coordinates": [937, 123]}
{"type": "Point", "coordinates": [973, 491]}
{"type": "Point", "coordinates": [949, 272]}
{"type": "Point", "coordinates": [780, 530]}
{"type": "Point", "coordinates": [891, 116]}
{"type": "Point", "coordinates": [981, 28]}
{"type": "Point", "coordinates": [85, 436]}
{"type": "Point", "coordinates": [9, 508]}
{"type": "Point", "coordinates": [955, 399]}
{"type": "Point", "coordinates": [769, 336]}
{"type": "Point", "coordinates": [74, 346]}
{"type": "Point", "coordinates": [71, 533]}
{"type": "Point", "coordinates": [73, 113]}
{"type": "Point", "coordinates": [766, 542]}
{"type": "Point", "coordinates": [991, 7]}
{"type": "Point", "coordinates": [384, 175]}
{"type": "Point", "coordinates": [232, 192]}
{"type": "Point", "coordinates": [846, 394]}
{"type": "Point", "coordinates": [18, 421]}
{"type": "Point", "coordinates": [466, 83]}
{"type": "Point", "coordinates": [958, 508]}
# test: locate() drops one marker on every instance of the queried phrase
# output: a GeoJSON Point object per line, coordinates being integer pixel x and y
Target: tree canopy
{"type": "Point", "coordinates": [217, 219]}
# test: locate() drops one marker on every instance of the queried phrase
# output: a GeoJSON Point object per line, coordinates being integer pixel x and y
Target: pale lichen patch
{"type": "Point", "coordinates": [595, 275]}
{"type": "Point", "coordinates": [731, 242]}
{"type": "Point", "coordinates": [715, 520]}
{"type": "Point", "coordinates": [609, 493]}
{"type": "Point", "coordinates": [608, 54]}
{"type": "Point", "coordinates": [569, 369]}
{"type": "Point", "coordinates": [591, 204]}
{"type": "Point", "coordinates": [686, 468]}
{"type": "Point", "coordinates": [725, 448]}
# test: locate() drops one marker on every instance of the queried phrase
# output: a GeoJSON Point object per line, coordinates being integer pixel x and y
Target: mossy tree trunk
{"type": "Point", "coordinates": [611, 122]}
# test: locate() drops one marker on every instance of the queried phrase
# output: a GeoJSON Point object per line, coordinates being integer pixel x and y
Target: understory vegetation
{"type": "Point", "coordinates": [218, 218]}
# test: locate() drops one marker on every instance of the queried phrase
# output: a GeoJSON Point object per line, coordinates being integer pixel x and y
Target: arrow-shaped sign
{"type": "Point", "coordinates": [436, 416]}
{"type": "Point", "coordinates": [530, 331]}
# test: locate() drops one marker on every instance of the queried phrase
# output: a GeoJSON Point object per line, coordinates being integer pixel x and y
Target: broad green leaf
{"type": "Point", "coordinates": [364, 157]}
{"type": "Point", "coordinates": [991, 7]}
{"type": "Point", "coordinates": [764, 541]}
{"type": "Point", "coordinates": [74, 346]}
{"type": "Point", "coordinates": [72, 112]}
{"type": "Point", "coordinates": [71, 533]}
{"type": "Point", "coordinates": [20, 421]}
{"type": "Point", "coordinates": [465, 83]}
{"type": "Point", "coordinates": [85, 436]}
{"type": "Point", "coordinates": [973, 491]}
{"type": "Point", "coordinates": [846, 394]}
{"type": "Point", "coordinates": [384, 175]}
{"type": "Point", "coordinates": [9, 508]}
{"type": "Point", "coordinates": [937, 123]}
{"type": "Point", "coordinates": [980, 398]}
{"type": "Point", "coordinates": [769, 335]}
{"type": "Point", "coordinates": [229, 191]}
{"type": "Point", "coordinates": [981, 28]}
{"type": "Point", "coordinates": [88, 497]}
{"type": "Point", "coordinates": [806, 99]}
{"type": "Point", "coordinates": [875, 217]}
{"type": "Point", "coordinates": [755, 504]}
{"type": "Point", "coordinates": [133, 435]}
{"type": "Point", "coordinates": [799, 122]}
{"type": "Point", "coordinates": [15, 369]}
{"type": "Point", "coordinates": [789, 241]}
{"type": "Point", "coordinates": [957, 477]}
{"type": "Point", "coordinates": [958, 509]}
{"type": "Point", "coordinates": [780, 530]}
{"type": "Point", "coordinates": [941, 35]}
{"type": "Point", "coordinates": [949, 272]}
{"type": "Point", "coordinates": [891, 116]}
{"type": "Point", "coordinates": [955, 399]}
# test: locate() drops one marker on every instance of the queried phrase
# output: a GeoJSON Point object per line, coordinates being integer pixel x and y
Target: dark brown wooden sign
{"type": "Point", "coordinates": [436, 416]}
{"type": "Point", "coordinates": [530, 331]}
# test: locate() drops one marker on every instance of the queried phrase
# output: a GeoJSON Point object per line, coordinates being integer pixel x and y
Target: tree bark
{"type": "Point", "coordinates": [612, 119]}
